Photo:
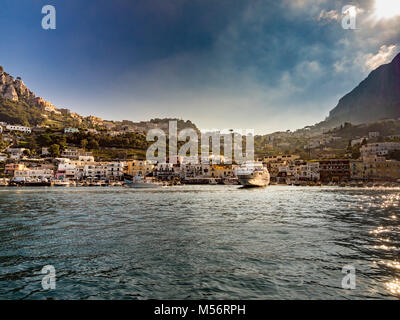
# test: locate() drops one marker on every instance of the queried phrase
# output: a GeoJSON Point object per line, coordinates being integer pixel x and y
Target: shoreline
{"type": "Point", "coordinates": [353, 186]}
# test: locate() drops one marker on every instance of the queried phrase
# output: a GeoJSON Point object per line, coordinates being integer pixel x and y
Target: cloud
{"type": "Point", "coordinates": [385, 55]}
{"type": "Point", "coordinates": [269, 60]}
{"type": "Point", "coordinates": [366, 62]}
{"type": "Point", "coordinates": [329, 15]}
{"type": "Point", "coordinates": [267, 65]}
{"type": "Point", "coordinates": [303, 4]}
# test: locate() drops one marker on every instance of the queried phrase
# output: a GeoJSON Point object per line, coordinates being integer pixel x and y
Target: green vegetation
{"type": "Point", "coordinates": [349, 131]}
{"type": "Point", "coordinates": [102, 145]}
{"type": "Point", "coordinates": [54, 150]}
{"type": "Point", "coordinates": [95, 141]}
{"type": "Point", "coordinates": [20, 113]}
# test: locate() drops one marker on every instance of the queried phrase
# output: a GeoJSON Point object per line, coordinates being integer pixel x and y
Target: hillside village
{"type": "Point", "coordinates": [35, 154]}
{"type": "Point", "coordinates": [39, 142]}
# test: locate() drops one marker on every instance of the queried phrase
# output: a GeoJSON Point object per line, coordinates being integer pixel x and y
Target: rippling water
{"type": "Point", "coordinates": [199, 242]}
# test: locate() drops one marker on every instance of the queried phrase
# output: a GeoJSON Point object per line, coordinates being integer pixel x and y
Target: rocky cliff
{"type": "Point", "coordinates": [15, 90]}
{"type": "Point", "coordinates": [375, 98]}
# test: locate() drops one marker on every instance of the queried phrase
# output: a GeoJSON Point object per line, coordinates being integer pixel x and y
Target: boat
{"type": "Point", "coordinates": [4, 182]}
{"type": "Point", "coordinates": [231, 181]}
{"type": "Point", "coordinates": [142, 183]}
{"type": "Point", "coordinates": [212, 182]}
{"type": "Point", "coordinates": [253, 174]}
{"type": "Point", "coordinates": [61, 184]}
{"type": "Point", "coordinates": [28, 182]}
{"type": "Point", "coordinates": [118, 184]}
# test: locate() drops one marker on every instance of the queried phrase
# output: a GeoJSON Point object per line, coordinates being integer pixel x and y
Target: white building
{"type": "Point", "coordinates": [94, 171]}
{"type": "Point", "coordinates": [71, 130]}
{"type": "Point", "coordinates": [34, 173]}
{"type": "Point", "coordinates": [374, 134]}
{"type": "Point", "coordinates": [290, 170]}
{"type": "Point", "coordinates": [114, 170]}
{"type": "Point", "coordinates": [70, 171]}
{"type": "Point", "coordinates": [310, 171]}
{"type": "Point", "coordinates": [188, 171]}
{"type": "Point", "coordinates": [281, 158]}
{"type": "Point", "coordinates": [288, 173]}
{"type": "Point", "coordinates": [115, 133]}
{"type": "Point", "coordinates": [102, 171]}
{"type": "Point", "coordinates": [16, 153]}
{"type": "Point", "coordinates": [75, 153]}
{"type": "Point", "coordinates": [167, 170]}
{"type": "Point", "coordinates": [86, 158]}
{"type": "Point", "coordinates": [19, 128]}
{"type": "Point", "coordinates": [379, 149]}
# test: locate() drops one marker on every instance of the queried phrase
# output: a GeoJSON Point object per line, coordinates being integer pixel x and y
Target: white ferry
{"type": "Point", "coordinates": [253, 174]}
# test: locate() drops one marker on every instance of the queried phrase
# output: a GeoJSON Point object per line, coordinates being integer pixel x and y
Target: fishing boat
{"type": "Point", "coordinates": [253, 174]}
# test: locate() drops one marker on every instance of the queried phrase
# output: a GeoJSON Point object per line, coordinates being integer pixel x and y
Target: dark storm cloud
{"type": "Point", "coordinates": [266, 65]}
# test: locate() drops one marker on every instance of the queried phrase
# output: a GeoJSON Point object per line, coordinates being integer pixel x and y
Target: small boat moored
{"type": "Point", "coordinates": [61, 183]}
{"type": "Point", "coordinates": [142, 183]}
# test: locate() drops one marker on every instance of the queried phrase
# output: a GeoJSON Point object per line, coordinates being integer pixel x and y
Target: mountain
{"type": "Point", "coordinates": [375, 98]}
{"type": "Point", "coordinates": [19, 105]}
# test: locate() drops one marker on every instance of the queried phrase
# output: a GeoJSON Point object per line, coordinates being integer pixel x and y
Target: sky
{"type": "Point", "coordinates": [255, 64]}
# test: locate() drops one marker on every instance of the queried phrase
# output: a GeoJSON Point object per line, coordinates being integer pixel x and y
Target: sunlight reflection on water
{"type": "Point", "coordinates": [200, 242]}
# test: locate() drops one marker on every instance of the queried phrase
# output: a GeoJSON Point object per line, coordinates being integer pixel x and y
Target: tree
{"type": "Point", "coordinates": [349, 146]}
{"type": "Point", "coordinates": [355, 152]}
{"type": "Point", "coordinates": [44, 140]}
{"type": "Point", "coordinates": [93, 144]}
{"type": "Point", "coordinates": [84, 143]}
{"type": "Point", "coordinates": [61, 140]}
{"type": "Point", "coordinates": [32, 145]}
{"type": "Point", "coordinates": [54, 150]}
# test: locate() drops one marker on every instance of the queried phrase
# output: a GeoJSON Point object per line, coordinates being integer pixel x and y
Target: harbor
{"type": "Point", "coordinates": [199, 242]}
{"type": "Point", "coordinates": [204, 156]}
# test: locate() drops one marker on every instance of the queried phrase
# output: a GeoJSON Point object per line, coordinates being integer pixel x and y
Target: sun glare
{"type": "Point", "coordinates": [385, 9]}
